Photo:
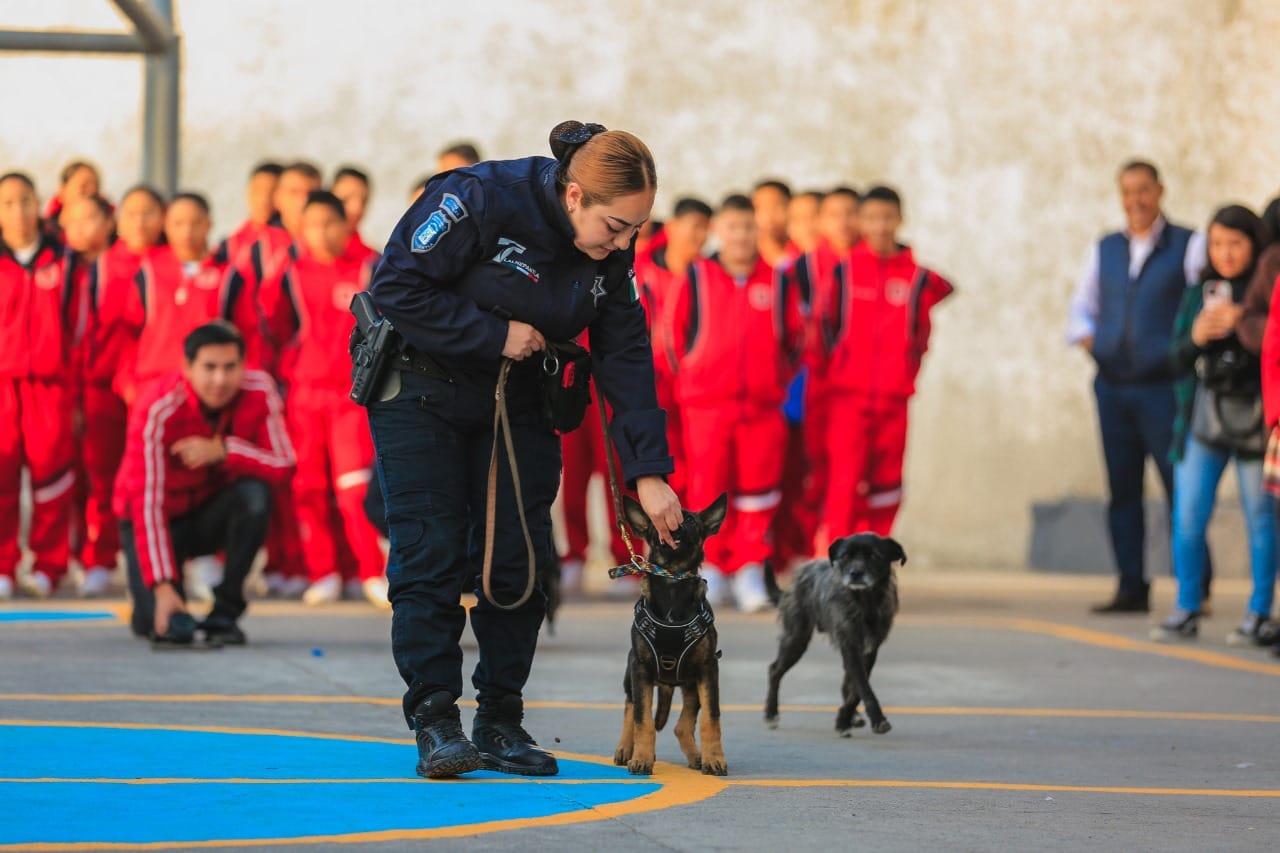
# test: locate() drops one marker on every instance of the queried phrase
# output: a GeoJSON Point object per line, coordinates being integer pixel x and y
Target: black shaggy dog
{"type": "Point", "coordinates": [852, 597]}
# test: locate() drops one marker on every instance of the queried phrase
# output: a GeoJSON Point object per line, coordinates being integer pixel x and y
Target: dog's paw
{"type": "Point", "coordinates": [882, 727]}
{"type": "Point", "coordinates": [715, 767]}
{"type": "Point", "coordinates": [771, 722]}
{"type": "Point", "coordinates": [622, 757]}
{"type": "Point", "coordinates": [639, 767]}
{"type": "Point", "coordinates": [695, 762]}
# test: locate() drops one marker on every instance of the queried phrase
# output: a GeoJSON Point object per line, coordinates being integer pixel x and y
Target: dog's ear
{"type": "Point", "coordinates": [891, 550]}
{"type": "Point", "coordinates": [713, 516]}
{"type": "Point", "coordinates": [636, 516]}
{"type": "Point", "coordinates": [834, 548]}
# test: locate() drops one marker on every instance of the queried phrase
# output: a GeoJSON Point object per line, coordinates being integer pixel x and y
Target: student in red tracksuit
{"type": "Point", "coordinates": [804, 478]}
{"type": "Point", "coordinates": [88, 226]}
{"type": "Point", "coordinates": [79, 180]}
{"type": "Point", "coordinates": [251, 296]}
{"type": "Point", "coordinates": [876, 331]}
{"type": "Point", "coordinates": [802, 223]}
{"type": "Point", "coordinates": [108, 347]}
{"type": "Point", "coordinates": [770, 199]}
{"type": "Point", "coordinates": [205, 448]}
{"type": "Point", "coordinates": [735, 332]}
{"type": "Point", "coordinates": [352, 187]}
{"type": "Point", "coordinates": [262, 212]}
{"type": "Point", "coordinates": [331, 433]}
{"type": "Point", "coordinates": [177, 289]}
{"type": "Point", "coordinates": [37, 379]}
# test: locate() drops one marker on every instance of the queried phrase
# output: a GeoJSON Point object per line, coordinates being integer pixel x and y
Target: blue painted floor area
{"type": "Point", "coordinates": [55, 615]}
{"type": "Point", "coordinates": [69, 811]}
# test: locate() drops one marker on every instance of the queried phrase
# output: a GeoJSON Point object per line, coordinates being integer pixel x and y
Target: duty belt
{"type": "Point", "coordinates": [671, 643]}
{"type": "Point", "coordinates": [410, 360]}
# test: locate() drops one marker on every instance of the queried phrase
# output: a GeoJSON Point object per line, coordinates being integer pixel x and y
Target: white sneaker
{"type": "Point", "coordinates": [353, 590]}
{"type": "Point", "coordinates": [571, 577]}
{"type": "Point", "coordinates": [717, 585]}
{"type": "Point", "coordinates": [96, 582]}
{"type": "Point", "coordinates": [37, 585]}
{"type": "Point", "coordinates": [6, 587]}
{"type": "Point", "coordinates": [210, 569]}
{"type": "Point", "coordinates": [324, 591]}
{"type": "Point", "coordinates": [748, 589]}
{"type": "Point", "coordinates": [200, 575]}
{"type": "Point", "coordinates": [292, 588]}
{"type": "Point", "coordinates": [273, 581]}
{"type": "Point", "coordinates": [375, 590]}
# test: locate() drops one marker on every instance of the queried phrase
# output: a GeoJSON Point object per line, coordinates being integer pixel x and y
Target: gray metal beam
{"type": "Point", "coordinates": [154, 28]}
{"type": "Point", "coordinates": [70, 42]}
{"type": "Point", "coordinates": [161, 106]}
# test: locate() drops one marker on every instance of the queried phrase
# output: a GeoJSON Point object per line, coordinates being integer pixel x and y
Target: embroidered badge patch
{"type": "Point", "coordinates": [598, 292]}
{"type": "Point", "coordinates": [430, 232]}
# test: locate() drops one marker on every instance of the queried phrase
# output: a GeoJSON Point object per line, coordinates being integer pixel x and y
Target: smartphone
{"type": "Point", "coordinates": [1217, 291]}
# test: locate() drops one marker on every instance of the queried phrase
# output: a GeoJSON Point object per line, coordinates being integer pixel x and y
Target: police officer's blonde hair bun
{"type": "Point", "coordinates": [605, 163]}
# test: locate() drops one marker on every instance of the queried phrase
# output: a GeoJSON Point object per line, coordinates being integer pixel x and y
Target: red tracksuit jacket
{"type": "Point", "coordinates": [359, 251]}
{"type": "Point", "coordinates": [112, 333]}
{"type": "Point", "coordinates": [153, 486]}
{"type": "Point", "coordinates": [658, 286]}
{"type": "Point", "coordinates": [812, 275]}
{"type": "Point", "coordinates": [314, 317]}
{"type": "Point", "coordinates": [734, 342]}
{"type": "Point", "coordinates": [250, 297]}
{"type": "Point", "coordinates": [876, 324]}
{"type": "Point", "coordinates": [166, 304]}
{"type": "Point", "coordinates": [40, 313]}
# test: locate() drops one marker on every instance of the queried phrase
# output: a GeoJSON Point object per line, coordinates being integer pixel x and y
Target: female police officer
{"type": "Point", "coordinates": [490, 262]}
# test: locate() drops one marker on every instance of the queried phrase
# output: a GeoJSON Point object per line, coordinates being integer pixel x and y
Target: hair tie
{"type": "Point", "coordinates": [569, 137]}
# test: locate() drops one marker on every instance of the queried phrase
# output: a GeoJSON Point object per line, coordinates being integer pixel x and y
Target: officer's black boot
{"type": "Point", "coordinates": [504, 744]}
{"type": "Point", "coordinates": [443, 750]}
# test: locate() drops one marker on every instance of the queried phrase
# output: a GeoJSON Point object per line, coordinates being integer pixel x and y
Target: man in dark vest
{"type": "Point", "coordinates": [1123, 313]}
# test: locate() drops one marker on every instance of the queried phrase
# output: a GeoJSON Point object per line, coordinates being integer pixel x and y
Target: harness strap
{"type": "Point", "coordinates": [670, 644]}
{"type": "Point", "coordinates": [502, 424]}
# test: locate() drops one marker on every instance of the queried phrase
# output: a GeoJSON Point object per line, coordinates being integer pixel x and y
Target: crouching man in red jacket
{"type": "Point", "coordinates": [204, 450]}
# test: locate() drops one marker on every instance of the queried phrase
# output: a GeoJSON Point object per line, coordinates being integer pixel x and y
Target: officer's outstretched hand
{"type": "Point", "coordinates": [523, 341]}
{"type": "Point", "coordinates": [661, 505]}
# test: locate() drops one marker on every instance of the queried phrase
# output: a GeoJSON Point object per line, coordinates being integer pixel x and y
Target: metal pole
{"type": "Point", "coordinates": [161, 98]}
{"type": "Point", "coordinates": [78, 42]}
{"type": "Point", "coordinates": [154, 26]}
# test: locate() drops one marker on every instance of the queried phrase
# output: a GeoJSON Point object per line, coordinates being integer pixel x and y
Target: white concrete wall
{"type": "Point", "coordinates": [1002, 121]}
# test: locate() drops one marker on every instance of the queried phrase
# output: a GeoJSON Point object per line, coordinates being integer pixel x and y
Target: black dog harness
{"type": "Point", "coordinates": [671, 643]}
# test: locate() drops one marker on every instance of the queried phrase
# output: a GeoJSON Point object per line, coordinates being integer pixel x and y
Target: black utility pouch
{"type": "Point", "coordinates": [566, 385]}
{"type": "Point", "coordinates": [373, 341]}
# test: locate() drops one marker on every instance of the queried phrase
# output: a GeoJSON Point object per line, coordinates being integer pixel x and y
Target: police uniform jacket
{"type": "Point", "coordinates": [491, 243]}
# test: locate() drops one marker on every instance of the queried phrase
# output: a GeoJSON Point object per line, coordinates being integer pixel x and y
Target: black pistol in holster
{"type": "Point", "coordinates": [373, 342]}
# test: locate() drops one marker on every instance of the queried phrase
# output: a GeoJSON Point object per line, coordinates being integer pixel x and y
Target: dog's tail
{"type": "Point", "coordinates": [663, 710]}
{"type": "Point", "coordinates": [771, 583]}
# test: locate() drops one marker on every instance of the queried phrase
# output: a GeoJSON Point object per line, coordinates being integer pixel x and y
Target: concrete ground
{"type": "Point", "coordinates": [1020, 722]}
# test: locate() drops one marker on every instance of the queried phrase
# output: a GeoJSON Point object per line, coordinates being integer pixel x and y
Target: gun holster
{"type": "Point", "coordinates": [374, 342]}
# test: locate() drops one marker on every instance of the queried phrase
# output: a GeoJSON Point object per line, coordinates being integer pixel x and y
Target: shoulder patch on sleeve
{"type": "Point", "coordinates": [633, 291]}
{"type": "Point", "coordinates": [432, 231]}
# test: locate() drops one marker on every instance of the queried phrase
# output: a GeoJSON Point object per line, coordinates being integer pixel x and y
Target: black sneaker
{"type": "Point", "coordinates": [1124, 602]}
{"type": "Point", "coordinates": [1269, 633]}
{"type": "Point", "coordinates": [443, 750]}
{"type": "Point", "coordinates": [1180, 625]}
{"type": "Point", "coordinates": [504, 744]}
{"type": "Point", "coordinates": [1253, 630]}
{"type": "Point", "coordinates": [223, 632]}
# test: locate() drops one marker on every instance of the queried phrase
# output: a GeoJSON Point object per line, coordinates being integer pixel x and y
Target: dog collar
{"type": "Point", "coordinates": [669, 643]}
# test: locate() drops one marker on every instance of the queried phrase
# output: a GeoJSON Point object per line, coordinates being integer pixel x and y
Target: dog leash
{"type": "Point", "coordinates": [639, 564]}
{"type": "Point", "coordinates": [502, 423]}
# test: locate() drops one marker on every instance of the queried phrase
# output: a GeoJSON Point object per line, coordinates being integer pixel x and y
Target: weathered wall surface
{"type": "Point", "coordinates": [1002, 121]}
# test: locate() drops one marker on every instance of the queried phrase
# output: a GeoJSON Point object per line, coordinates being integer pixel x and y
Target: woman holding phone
{"type": "Point", "coordinates": [1219, 420]}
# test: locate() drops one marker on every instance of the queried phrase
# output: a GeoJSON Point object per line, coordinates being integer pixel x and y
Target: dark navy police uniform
{"type": "Point", "coordinates": [481, 246]}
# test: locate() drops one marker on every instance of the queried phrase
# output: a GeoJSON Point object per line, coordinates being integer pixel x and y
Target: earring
{"type": "Point", "coordinates": [571, 208]}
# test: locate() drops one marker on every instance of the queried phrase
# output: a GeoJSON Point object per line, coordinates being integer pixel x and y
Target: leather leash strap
{"type": "Point", "coordinates": [502, 424]}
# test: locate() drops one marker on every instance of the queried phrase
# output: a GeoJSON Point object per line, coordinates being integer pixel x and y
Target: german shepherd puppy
{"type": "Point", "coordinates": [673, 610]}
{"type": "Point", "coordinates": [851, 596]}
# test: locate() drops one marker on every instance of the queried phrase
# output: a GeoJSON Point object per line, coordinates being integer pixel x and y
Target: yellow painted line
{"type": "Point", "coordinates": [680, 787]}
{"type": "Point", "coordinates": [1002, 786]}
{"type": "Point", "coordinates": [1115, 641]}
{"type": "Point", "coordinates": [397, 780]}
{"type": "Point", "coordinates": [904, 710]}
